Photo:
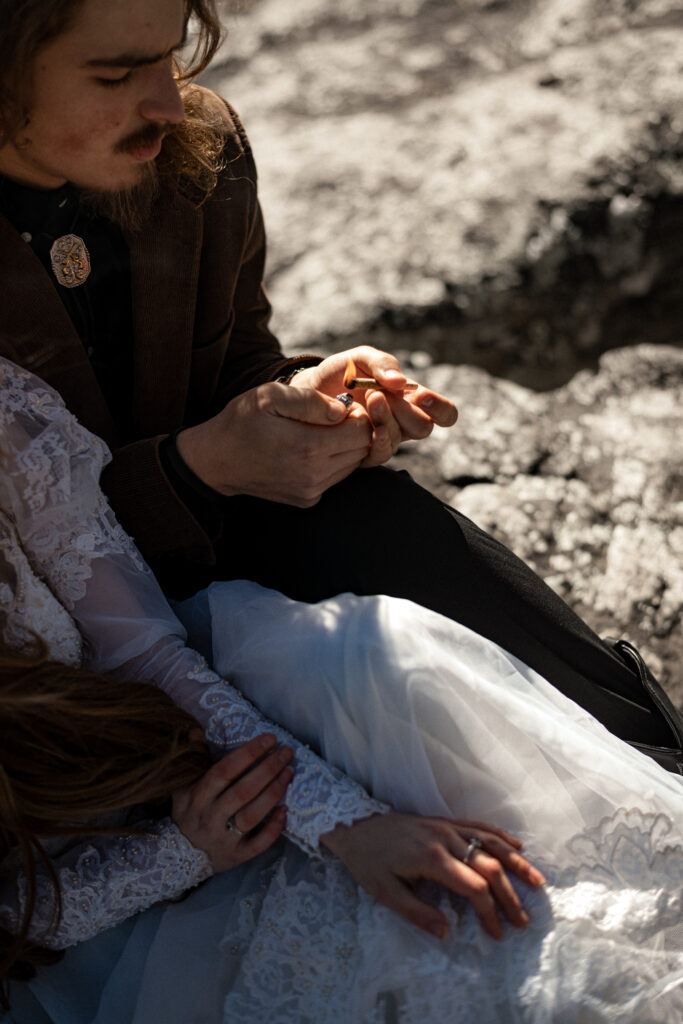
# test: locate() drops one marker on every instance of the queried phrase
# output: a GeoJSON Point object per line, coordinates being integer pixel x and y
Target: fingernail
{"type": "Point", "coordinates": [267, 741]}
{"type": "Point", "coordinates": [438, 928]}
{"type": "Point", "coordinates": [426, 403]}
{"type": "Point", "coordinates": [524, 918]}
{"type": "Point", "coordinates": [537, 877]}
{"type": "Point", "coordinates": [287, 774]}
{"type": "Point", "coordinates": [337, 411]}
{"type": "Point", "coordinates": [394, 375]}
{"type": "Point", "coordinates": [285, 754]}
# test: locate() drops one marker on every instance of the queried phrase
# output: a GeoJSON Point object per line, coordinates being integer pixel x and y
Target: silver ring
{"type": "Point", "coordinates": [232, 827]}
{"type": "Point", "coordinates": [474, 845]}
{"type": "Point", "coordinates": [345, 398]}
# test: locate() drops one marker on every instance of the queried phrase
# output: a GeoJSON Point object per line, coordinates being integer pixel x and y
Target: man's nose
{"type": "Point", "coordinates": [163, 102]}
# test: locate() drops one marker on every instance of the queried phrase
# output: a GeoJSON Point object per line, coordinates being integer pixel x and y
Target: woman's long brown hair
{"type": "Point", "coordinates": [75, 745]}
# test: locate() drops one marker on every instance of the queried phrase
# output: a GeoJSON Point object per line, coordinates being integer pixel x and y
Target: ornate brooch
{"type": "Point", "coordinates": [70, 261]}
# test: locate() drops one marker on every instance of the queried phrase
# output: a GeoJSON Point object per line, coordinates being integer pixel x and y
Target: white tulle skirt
{"type": "Point", "coordinates": [431, 718]}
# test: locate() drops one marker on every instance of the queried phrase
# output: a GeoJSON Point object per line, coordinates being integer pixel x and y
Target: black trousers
{"type": "Point", "coordinates": [378, 532]}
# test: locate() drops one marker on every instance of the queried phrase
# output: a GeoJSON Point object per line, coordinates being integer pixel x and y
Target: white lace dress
{"type": "Point", "coordinates": [420, 711]}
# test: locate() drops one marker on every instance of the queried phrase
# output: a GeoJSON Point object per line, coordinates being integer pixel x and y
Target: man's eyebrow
{"type": "Point", "coordinates": [134, 60]}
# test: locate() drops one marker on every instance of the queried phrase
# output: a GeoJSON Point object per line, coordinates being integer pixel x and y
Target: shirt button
{"type": "Point", "coordinates": [27, 236]}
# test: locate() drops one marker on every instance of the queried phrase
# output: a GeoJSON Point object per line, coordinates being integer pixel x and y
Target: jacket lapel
{"type": "Point", "coordinates": [37, 333]}
{"type": "Point", "coordinates": [165, 258]}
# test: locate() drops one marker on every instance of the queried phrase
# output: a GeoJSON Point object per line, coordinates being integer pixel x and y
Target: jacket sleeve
{"type": "Point", "coordinates": [254, 355]}
{"type": "Point", "coordinates": [234, 350]}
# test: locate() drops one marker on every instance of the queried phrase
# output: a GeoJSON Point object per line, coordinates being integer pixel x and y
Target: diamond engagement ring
{"type": "Point", "coordinates": [232, 827]}
{"type": "Point", "coordinates": [474, 845]}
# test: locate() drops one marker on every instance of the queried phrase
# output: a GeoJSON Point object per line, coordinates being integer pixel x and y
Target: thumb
{"type": "Point", "coordinates": [305, 405]}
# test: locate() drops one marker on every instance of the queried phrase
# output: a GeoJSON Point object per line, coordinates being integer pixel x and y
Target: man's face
{"type": "Point", "coordinates": [103, 96]}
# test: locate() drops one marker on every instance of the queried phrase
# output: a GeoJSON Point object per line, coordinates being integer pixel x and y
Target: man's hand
{"type": "Point", "coordinates": [278, 442]}
{"type": "Point", "coordinates": [387, 854]}
{"type": "Point", "coordinates": [395, 415]}
{"type": "Point", "coordinates": [291, 443]}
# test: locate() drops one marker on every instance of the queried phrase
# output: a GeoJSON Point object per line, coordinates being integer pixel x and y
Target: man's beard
{"type": "Point", "coordinates": [129, 207]}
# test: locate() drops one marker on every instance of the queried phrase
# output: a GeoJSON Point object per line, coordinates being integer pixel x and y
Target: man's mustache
{"type": "Point", "coordinates": [147, 136]}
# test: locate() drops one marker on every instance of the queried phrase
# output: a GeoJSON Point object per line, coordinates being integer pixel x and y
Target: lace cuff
{"type": "Point", "coordinates": [105, 880]}
{"type": "Point", "coordinates": [319, 796]}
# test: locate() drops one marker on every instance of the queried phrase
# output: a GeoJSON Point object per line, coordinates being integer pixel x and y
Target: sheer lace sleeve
{"type": "Point", "coordinates": [28, 607]}
{"type": "Point", "coordinates": [50, 487]}
{"type": "Point", "coordinates": [103, 881]}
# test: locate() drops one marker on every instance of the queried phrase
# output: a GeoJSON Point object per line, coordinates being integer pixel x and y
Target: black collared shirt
{"type": "Point", "coordinates": [101, 312]}
{"type": "Point", "coordinates": [100, 308]}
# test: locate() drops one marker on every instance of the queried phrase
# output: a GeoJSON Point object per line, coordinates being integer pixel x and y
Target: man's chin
{"type": "Point", "coordinates": [127, 204]}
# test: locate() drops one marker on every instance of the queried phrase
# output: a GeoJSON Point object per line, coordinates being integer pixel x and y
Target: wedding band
{"type": "Point", "coordinates": [475, 844]}
{"type": "Point", "coordinates": [232, 827]}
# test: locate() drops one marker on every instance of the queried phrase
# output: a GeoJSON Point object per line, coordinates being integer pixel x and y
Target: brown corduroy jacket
{"type": "Point", "coordinates": [200, 336]}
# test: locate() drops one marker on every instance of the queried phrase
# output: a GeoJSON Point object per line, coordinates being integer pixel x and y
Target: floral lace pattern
{"type": "Point", "coordinates": [321, 951]}
{"type": "Point", "coordinates": [61, 552]}
{"type": "Point", "coordinates": [28, 607]}
{"type": "Point", "coordinates": [107, 879]}
{"type": "Point", "coordinates": [627, 852]}
{"type": "Point", "coordinates": [52, 476]}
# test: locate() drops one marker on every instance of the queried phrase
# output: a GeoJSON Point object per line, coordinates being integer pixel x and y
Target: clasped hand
{"type": "Point", "coordinates": [290, 443]}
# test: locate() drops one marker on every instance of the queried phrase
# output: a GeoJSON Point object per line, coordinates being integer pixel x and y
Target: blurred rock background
{"type": "Point", "coordinates": [493, 189]}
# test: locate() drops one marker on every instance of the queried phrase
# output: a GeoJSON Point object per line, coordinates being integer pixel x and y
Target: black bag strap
{"type": "Point", "coordinates": [671, 757]}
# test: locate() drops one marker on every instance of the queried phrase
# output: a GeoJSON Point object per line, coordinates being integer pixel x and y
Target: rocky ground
{"type": "Point", "coordinates": [494, 189]}
{"type": "Point", "coordinates": [585, 483]}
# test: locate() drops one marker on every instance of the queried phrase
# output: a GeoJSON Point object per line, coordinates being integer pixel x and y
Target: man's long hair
{"type": "Point", "coordinates": [192, 151]}
{"type": "Point", "coordinates": [75, 745]}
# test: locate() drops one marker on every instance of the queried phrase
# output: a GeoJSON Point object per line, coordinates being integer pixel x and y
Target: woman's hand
{"type": "Point", "coordinates": [235, 796]}
{"type": "Point", "coordinates": [388, 854]}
